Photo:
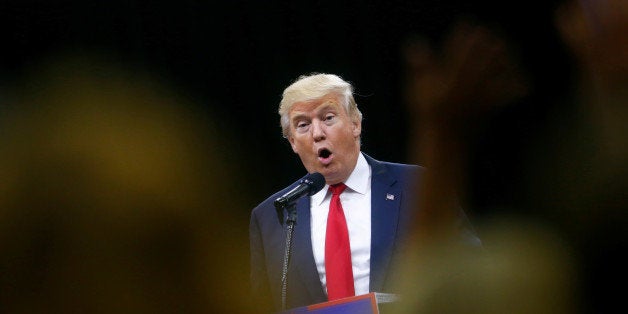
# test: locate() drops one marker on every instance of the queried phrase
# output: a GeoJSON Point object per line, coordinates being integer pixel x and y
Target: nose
{"type": "Point", "coordinates": [318, 131]}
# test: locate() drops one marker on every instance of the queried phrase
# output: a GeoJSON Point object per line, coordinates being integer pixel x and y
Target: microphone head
{"type": "Point", "coordinates": [316, 181]}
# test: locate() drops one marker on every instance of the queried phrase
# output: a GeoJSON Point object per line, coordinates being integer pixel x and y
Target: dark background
{"type": "Point", "coordinates": [238, 56]}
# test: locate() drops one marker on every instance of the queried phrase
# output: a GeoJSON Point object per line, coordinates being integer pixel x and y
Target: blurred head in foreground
{"type": "Point", "coordinates": [112, 198]}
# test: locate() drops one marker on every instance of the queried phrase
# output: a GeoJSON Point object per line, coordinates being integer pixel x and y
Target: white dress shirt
{"type": "Point", "coordinates": [356, 204]}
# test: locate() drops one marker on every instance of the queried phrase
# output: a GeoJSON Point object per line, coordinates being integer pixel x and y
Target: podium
{"type": "Point", "coordinates": [362, 304]}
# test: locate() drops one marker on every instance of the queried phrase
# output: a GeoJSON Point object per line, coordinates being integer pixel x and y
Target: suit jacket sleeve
{"type": "Point", "coordinates": [260, 286]}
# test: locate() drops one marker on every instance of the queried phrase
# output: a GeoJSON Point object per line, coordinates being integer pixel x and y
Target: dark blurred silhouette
{"type": "Point", "coordinates": [452, 91]}
{"type": "Point", "coordinates": [564, 253]}
{"type": "Point", "coordinates": [117, 196]}
{"type": "Point", "coordinates": [582, 184]}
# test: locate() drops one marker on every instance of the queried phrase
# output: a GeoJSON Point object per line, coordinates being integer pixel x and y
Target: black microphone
{"type": "Point", "coordinates": [309, 185]}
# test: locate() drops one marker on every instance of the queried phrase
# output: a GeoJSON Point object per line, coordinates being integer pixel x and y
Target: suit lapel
{"type": "Point", "coordinates": [385, 205]}
{"type": "Point", "coordinates": [303, 258]}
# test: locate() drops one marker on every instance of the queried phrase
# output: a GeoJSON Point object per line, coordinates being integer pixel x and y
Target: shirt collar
{"type": "Point", "coordinates": [358, 180]}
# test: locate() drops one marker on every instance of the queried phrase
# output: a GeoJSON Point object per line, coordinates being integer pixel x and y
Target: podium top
{"type": "Point", "coordinates": [363, 304]}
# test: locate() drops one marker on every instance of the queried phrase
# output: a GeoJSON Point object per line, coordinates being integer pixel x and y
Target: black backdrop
{"type": "Point", "coordinates": [237, 56]}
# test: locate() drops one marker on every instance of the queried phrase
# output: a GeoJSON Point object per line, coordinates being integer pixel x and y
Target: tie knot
{"type": "Point", "coordinates": [336, 189]}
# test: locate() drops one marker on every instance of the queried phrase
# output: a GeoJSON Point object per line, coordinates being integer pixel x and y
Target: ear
{"type": "Point", "coordinates": [357, 128]}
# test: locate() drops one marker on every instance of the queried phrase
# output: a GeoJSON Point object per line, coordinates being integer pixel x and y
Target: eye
{"type": "Point", "coordinates": [301, 126]}
{"type": "Point", "coordinates": [329, 117]}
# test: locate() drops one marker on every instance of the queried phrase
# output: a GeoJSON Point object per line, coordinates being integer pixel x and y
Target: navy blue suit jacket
{"type": "Point", "coordinates": [392, 209]}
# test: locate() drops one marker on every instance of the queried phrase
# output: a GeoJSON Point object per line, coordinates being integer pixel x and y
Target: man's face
{"type": "Point", "coordinates": [325, 137]}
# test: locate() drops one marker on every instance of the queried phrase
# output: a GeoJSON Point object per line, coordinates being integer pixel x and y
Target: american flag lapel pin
{"type": "Point", "coordinates": [390, 197]}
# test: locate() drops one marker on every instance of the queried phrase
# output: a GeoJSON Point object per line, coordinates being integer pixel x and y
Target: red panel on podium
{"type": "Point", "coordinates": [362, 304]}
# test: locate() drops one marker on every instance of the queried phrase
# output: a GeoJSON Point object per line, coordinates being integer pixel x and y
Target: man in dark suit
{"type": "Point", "coordinates": [322, 122]}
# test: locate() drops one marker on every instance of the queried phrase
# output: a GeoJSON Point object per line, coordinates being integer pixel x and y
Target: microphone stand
{"type": "Point", "coordinates": [290, 222]}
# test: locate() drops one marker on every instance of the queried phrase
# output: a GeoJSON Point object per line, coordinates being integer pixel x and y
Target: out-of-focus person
{"type": "Point", "coordinates": [564, 255]}
{"type": "Point", "coordinates": [451, 90]}
{"type": "Point", "coordinates": [584, 182]}
{"type": "Point", "coordinates": [114, 196]}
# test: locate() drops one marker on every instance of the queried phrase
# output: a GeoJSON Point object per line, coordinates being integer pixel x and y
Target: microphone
{"type": "Point", "coordinates": [309, 185]}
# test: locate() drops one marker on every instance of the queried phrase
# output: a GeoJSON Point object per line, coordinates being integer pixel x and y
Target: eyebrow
{"type": "Point", "coordinates": [298, 117]}
{"type": "Point", "coordinates": [323, 107]}
{"type": "Point", "coordinates": [326, 106]}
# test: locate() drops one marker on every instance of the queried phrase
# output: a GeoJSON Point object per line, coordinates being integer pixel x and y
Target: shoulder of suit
{"type": "Point", "coordinates": [375, 162]}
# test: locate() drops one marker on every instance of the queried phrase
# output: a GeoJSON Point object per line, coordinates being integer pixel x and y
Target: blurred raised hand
{"type": "Point", "coordinates": [454, 84]}
{"type": "Point", "coordinates": [450, 90]}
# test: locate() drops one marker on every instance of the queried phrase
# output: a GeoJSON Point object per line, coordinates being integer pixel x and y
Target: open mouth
{"type": "Point", "coordinates": [324, 153]}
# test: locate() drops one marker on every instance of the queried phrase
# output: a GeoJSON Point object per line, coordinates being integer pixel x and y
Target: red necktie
{"type": "Point", "coordinates": [338, 269]}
